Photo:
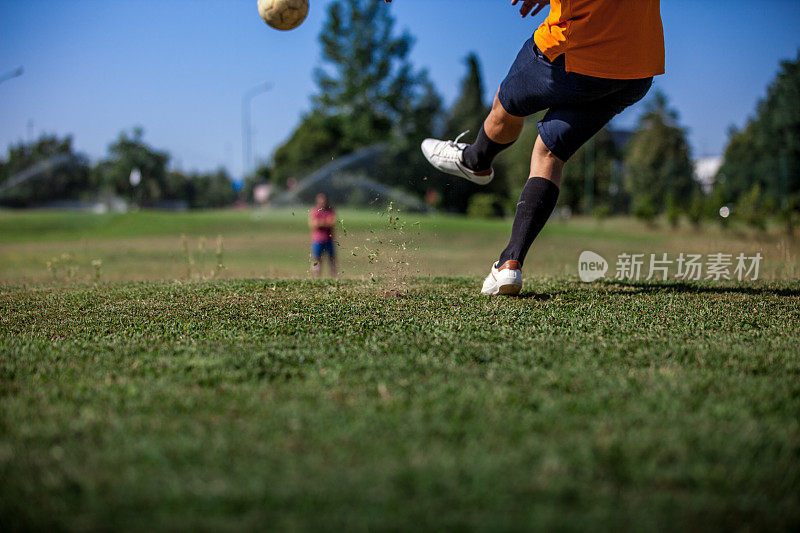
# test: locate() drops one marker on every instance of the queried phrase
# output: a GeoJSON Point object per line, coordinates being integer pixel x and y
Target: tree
{"type": "Point", "coordinates": [468, 113]}
{"type": "Point", "coordinates": [697, 209]}
{"type": "Point", "coordinates": [644, 209]}
{"type": "Point", "coordinates": [317, 140]}
{"type": "Point", "coordinates": [657, 159]}
{"type": "Point", "coordinates": [366, 74]}
{"type": "Point", "coordinates": [591, 176]}
{"type": "Point", "coordinates": [766, 152]}
{"type": "Point", "coordinates": [67, 176]}
{"type": "Point", "coordinates": [750, 208]}
{"type": "Point", "coordinates": [368, 91]}
{"type": "Point", "coordinates": [470, 109]}
{"type": "Point", "coordinates": [130, 152]}
{"type": "Point", "coordinates": [405, 165]}
{"type": "Point", "coordinates": [209, 190]}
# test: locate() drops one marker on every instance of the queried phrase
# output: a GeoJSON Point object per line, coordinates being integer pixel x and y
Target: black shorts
{"type": "Point", "coordinates": [579, 106]}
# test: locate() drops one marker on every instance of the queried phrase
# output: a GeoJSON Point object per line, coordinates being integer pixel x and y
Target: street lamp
{"type": "Point", "coordinates": [16, 73]}
{"type": "Point", "coordinates": [247, 134]}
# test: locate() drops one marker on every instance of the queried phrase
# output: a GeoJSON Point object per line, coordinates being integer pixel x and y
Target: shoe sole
{"type": "Point", "coordinates": [510, 290]}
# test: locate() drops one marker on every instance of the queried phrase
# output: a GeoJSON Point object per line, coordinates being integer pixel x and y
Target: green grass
{"type": "Point", "coordinates": [157, 393]}
{"type": "Point", "coordinates": [150, 246]}
{"type": "Point", "coordinates": [267, 404]}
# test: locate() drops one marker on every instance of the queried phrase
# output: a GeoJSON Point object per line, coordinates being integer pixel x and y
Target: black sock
{"type": "Point", "coordinates": [536, 204]}
{"type": "Point", "coordinates": [479, 155]}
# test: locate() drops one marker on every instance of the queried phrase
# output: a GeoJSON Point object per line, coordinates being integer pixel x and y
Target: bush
{"type": "Point", "coordinates": [645, 209]}
{"type": "Point", "coordinates": [788, 214]}
{"type": "Point", "coordinates": [750, 208]}
{"type": "Point", "coordinates": [602, 212]}
{"type": "Point", "coordinates": [697, 209]}
{"type": "Point", "coordinates": [672, 212]}
{"type": "Point", "coordinates": [484, 206]}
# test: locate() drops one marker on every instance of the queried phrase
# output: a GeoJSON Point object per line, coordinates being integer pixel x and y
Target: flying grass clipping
{"type": "Point", "coordinates": [283, 15]}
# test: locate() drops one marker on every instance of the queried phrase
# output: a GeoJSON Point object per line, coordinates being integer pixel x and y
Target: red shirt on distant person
{"type": "Point", "coordinates": [323, 220]}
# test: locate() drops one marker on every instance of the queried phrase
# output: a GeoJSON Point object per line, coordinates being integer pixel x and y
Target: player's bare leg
{"type": "Point", "coordinates": [502, 127]}
{"type": "Point", "coordinates": [537, 201]}
{"type": "Point", "coordinates": [544, 164]}
{"type": "Point", "coordinates": [536, 204]}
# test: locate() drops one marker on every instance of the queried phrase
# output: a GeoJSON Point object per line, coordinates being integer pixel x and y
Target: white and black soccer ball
{"type": "Point", "coordinates": [283, 15]}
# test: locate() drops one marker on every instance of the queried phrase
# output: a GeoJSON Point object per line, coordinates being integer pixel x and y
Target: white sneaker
{"type": "Point", "coordinates": [505, 280]}
{"type": "Point", "coordinates": [448, 157]}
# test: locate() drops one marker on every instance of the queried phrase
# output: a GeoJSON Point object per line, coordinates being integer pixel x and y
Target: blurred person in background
{"type": "Point", "coordinates": [322, 221]}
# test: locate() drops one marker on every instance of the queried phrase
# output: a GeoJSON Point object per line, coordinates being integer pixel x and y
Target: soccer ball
{"type": "Point", "coordinates": [283, 14]}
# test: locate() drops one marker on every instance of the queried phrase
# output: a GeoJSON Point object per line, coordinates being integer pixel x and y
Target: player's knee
{"type": "Point", "coordinates": [496, 117]}
{"type": "Point", "coordinates": [497, 107]}
{"type": "Point", "coordinates": [500, 121]}
{"type": "Point", "coordinates": [542, 152]}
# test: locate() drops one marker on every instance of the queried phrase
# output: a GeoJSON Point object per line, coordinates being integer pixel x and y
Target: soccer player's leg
{"type": "Point", "coordinates": [474, 161]}
{"type": "Point", "coordinates": [565, 132]}
{"type": "Point", "coordinates": [519, 95]}
{"type": "Point", "coordinates": [499, 131]}
{"type": "Point", "coordinates": [561, 133]}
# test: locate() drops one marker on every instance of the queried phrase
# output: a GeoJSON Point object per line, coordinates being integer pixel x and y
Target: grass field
{"type": "Point", "coordinates": [154, 246]}
{"type": "Point", "coordinates": [404, 402]}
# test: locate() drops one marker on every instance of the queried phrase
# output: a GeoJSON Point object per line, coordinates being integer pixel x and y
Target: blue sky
{"type": "Point", "coordinates": [179, 68]}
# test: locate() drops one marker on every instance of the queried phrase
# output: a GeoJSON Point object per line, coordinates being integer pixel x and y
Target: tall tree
{"type": "Point", "coordinates": [470, 109]}
{"type": "Point", "coordinates": [657, 160]}
{"type": "Point", "coordinates": [468, 113]}
{"type": "Point", "coordinates": [368, 90]}
{"type": "Point", "coordinates": [766, 152]}
{"type": "Point", "coordinates": [405, 165]}
{"type": "Point", "coordinates": [366, 74]}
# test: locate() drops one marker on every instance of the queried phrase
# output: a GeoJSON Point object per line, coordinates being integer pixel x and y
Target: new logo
{"type": "Point", "coordinates": [591, 267]}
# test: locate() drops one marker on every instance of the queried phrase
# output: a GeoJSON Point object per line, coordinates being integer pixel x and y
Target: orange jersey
{"type": "Point", "coordinates": [615, 39]}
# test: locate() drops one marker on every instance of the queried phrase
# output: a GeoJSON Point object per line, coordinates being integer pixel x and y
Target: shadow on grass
{"type": "Point", "coordinates": [619, 287]}
{"type": "Point", "coordinates": [538, 296]}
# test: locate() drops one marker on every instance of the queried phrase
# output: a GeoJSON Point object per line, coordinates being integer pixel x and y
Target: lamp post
{"type": "Point", "coordinates": [16, 73]}
{"type": "Point", "coordinates": [247, 134]}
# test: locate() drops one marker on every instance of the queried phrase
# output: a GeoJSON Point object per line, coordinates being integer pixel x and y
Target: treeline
{"type": "Point", "coordinates": [761, 169]}
{"type": "Point", "coordinates": [369, 93]}
{"type": "Point", "coordinates": [132, 171]}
